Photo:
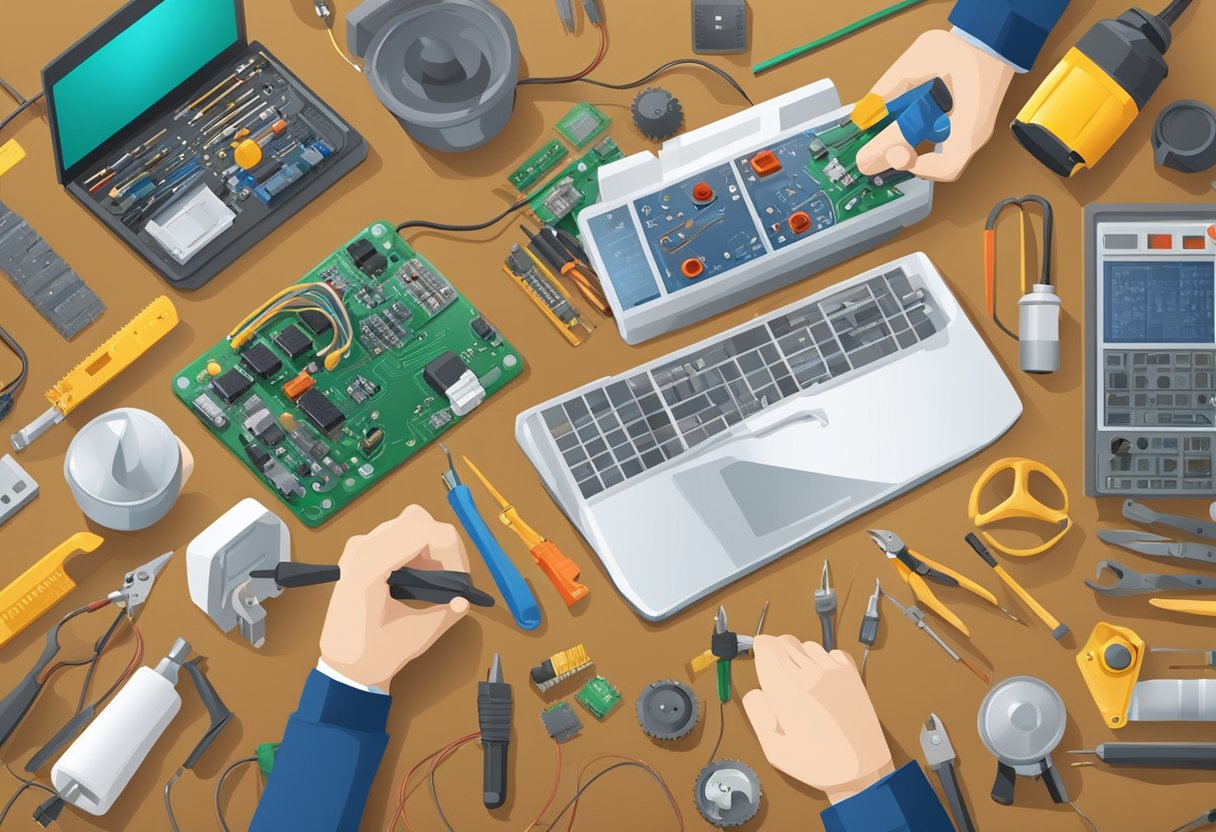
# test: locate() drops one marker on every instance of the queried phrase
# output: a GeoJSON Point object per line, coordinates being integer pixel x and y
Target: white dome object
{"type": "Point", "coordinates": [124, 469]}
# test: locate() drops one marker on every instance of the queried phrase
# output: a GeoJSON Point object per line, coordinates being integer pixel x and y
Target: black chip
{"type": "Point", "coordinates": [484, 331]}
{"type": "Point", "coordinates": [369, 261]}
{"type": "Point", "coordinates": [261, 360]}
{"type": "Point", "coordinates": [315, 321]}
{"type": "Point", "coordinates": [444, 371]}
{"type": "Point", "coordinates": [231, 385]}
{"type": "Point", "coordinates": [302, 470]}
{"type": "Point", "coordinates": [272, 434]}
{"type": "Point", "coordinates": [293, 341]}
{"type": "Point", "coordinates": [256, 453]}
{"type": "Point", "coordinates": [321, 411]}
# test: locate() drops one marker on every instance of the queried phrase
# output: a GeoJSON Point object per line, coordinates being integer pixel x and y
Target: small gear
{"type": "Point", "coordinates": [727, 793]}
{"type": "Point", "coordinates": [657, 113]}
{"type": "Point", "coordinates": [668, 710]}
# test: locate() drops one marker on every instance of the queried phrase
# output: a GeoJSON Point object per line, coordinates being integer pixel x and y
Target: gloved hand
{"type": "Point", "coordinates": [369, 636]}
{"type": "Point", "coordinates": [814, 718]}
{"type": "Point", "coordinates": [977, 81]}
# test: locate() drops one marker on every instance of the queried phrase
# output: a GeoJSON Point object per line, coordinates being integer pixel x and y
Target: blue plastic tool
{"type": "Point", "coordinates": [515, 591]}
{"type": "Point", "coordinates": [922, 113]}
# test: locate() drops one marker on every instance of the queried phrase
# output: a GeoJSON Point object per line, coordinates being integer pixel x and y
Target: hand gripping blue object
{"type": "Point", "coordinates": [922, 112]}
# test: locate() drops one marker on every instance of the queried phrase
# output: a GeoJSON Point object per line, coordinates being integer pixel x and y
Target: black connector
{"type": "Point", "coordinates": [48, 812]}
{"type": "Point", "coordinates": [323, 10]}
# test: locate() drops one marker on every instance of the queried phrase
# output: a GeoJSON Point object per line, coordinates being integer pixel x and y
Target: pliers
{"type": "Point", "coordinates": [916, 570]}
{"type": "Point", "coordinates": [1156, 546]}
{"type": "Point", "coordinates": [1131, 582]}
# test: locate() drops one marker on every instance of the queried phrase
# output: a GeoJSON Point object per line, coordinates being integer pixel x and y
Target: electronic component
{"type": "Point", "coordinates": [483, 330]}
{"type": "Point", "coordinates": [299, 385]}
{"type": "Point", "coordinates": [367, 259]}
{"type": "Point", "coordinates": [255, 452]}
{"type": "Point", "coordinates": [17, 488]}
{"type": "Point", "coordinates": [537, 165]}
{"type": "Point", "coordinates": [316, 321]}
{"type": "Point", "coordinates": [561, 722]}
{"type": "Point", "coordinates": [283, 480]}
{"type": "Point", "coordinates": [1150, 353]}
{"type": "Point", "coordinates": [261, 360]}
{"type": "Point", "coordinates": [583, 176]}
{"type": "Point", "coordinates": [667, 710]}
{"type": "Point", "coordinates": [449, 376]}
{"type": "Point", "coordinates": [188, 224]}
{"type": "Point", "coordinates": [360, 389]}
{"type": "Point", "coordinates": [231, 385]}
{"type": "Point", "coordinates": [561, 198]}
{"type": "Point", "coordinates": [549, 296]}
{"type": "Point", "coordinates": [727, 793]}
{"type": "Point", "coordinates": [582, 124]}
{"type": "Point", "coordinates": [43, 278]}
{"type": "Point", "coordinates": [292, 168]}
{"type": "Point", "coordinates": [372, 439]}
{"type": "Point", "coordinates": [719, 27]}
{"type": "Point", "coordinates": [293, 341]}
{"type": "Point", "coordinates": [206, 407]}
{"type": "Point", "coordinates": [430, 291]}
{"type": "Point", "coordinates": [657, 114]}
{"type": "Point", "coordinates": [598, 697]}
{"type": "Point", "coordinates": [559, 667]}
{"type": "Point", "coordinates": [320, 411]}
{"type": "Point", "coordinates": [264, 428]}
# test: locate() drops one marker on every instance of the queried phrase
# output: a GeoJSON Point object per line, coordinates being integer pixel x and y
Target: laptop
{"type": "Point", "coordinates": [692, 470]}
{"type": "Point", "coordinates": [190, 143]}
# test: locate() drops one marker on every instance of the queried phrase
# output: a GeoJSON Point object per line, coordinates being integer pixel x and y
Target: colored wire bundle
{"type": "Point", "coordinates": [990, 250]}
{"type": "Point", "coordinates": [435, 758]}
{"type": "Point", "coordinates": [303, 297]}
{"type": "Point", "coordinates": [9, 390]}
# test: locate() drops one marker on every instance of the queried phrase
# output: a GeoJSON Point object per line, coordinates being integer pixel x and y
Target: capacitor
{"type": "Point", "coordinates": [1039, 330]}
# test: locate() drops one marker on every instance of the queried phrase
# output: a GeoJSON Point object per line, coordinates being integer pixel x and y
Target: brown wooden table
{"type": "Point", "coordinates": [907, 676]}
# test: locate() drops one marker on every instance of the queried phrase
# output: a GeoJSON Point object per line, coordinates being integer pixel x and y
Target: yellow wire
{"type": "Point", "coordinates": [342, 54]}
{"type": "Point", "coordinates": [1022, 261]}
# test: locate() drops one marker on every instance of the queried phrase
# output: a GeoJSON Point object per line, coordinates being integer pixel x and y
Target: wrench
{"type": "Point", "coordinates": [1130, 582]}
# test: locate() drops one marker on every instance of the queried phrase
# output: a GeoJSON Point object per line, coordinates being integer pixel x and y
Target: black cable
{"type": "Point", "coordinates": [435, 792]}
{"type": "Point", "coordinates": [632, 84]}
{"type": "Point", "coordinates": [168, 803]}
{"type": "Point", "coordinates": [721, 730]}
{"type": "Point", "coordinates": [21, 108]}
{"type": "Point", "coordinates": [98, 649]}
{"type": "Point", "coordinates": [11, 90]}
{"type": "Point", "coordinates": [25, 784]}
{"type": "Point", "coordinates": [219, 785]}
{"type": "Point", "coordinates": [11, 342]}
{"type": "Point", "coordinates": [1045, 268]}
{"type": "Point", "coordinates": [589, 783]}
{"type": "Point", "coordinates": [1173, 11]}
{"type": "Point", "coordinates": [439, 226]}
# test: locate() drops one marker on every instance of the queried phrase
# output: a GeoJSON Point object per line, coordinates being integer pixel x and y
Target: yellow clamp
{"type": "Point", "coordinates": [703, 662]}
{"type": "Point", "coordinates": [38, 588]}
{"type": "Point", "coordinates": [1020, 504]}
{"type": "Point", "coordinates": [868, 111]}
{"type": "Point", "coordinates": [1110, 664]}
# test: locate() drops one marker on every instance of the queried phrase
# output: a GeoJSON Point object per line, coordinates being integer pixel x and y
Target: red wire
{"type": "Point", "coordinates": [565, 79]}
{"type": "Point", "coordinates": [557, 780]}
{"type": "Point", "coordinates": [399, 812]}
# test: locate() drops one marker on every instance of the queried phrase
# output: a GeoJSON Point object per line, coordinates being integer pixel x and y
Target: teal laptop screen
{"type": "Point", "coordinates": [142, 64]}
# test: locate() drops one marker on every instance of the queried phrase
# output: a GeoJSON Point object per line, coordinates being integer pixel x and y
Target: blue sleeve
{"type": "Point", "coordinates": [903, 801]}
{"type": "Point", "coordinates": [324, 769]}
{"type": "Point", "coordinates": [1014, 29]}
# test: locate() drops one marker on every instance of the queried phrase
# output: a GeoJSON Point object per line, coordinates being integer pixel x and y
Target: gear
{"type": "Point", "coordinates": [727, 793]}
{"type": "Point", "coordinates": [657, 113]}
{"type": "Point", "coordinates": [668, 710]}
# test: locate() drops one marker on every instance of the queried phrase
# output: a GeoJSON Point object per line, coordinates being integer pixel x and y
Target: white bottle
{"type": "Point", "coordinates": [1039, 330]}
{"type": "Point", "coordinates": [92, 773]}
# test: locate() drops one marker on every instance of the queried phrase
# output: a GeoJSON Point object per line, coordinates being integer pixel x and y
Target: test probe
{"type": "Point", "coordinates": [430, 586]}
{"type": "Point", "coordinates": [869, 625]}
{"type": "Point", "coordinates": [494, 719]}
{"type": "Point", "coordinates": [825, 607]}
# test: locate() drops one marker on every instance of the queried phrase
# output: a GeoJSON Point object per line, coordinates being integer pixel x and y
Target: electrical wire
{"type": "Point", "coordinates": [557, 748]}
{"type": "Point", "coordinates": [102, 644]}
{"type": "Point", "coordinates": [169, 803]}
{"type": "Point", "coordinates": [578, 76]}
{"type": "Point", "coordinates": [403, 796]}
{"type": "Point", "coordinates": [219, 785]}
{"type": "Point", "coordinates": [654, 74]}
{"type": "Point", "coordinates": [440, 226]}
{"type": "Point", "coordinates": [25, 784]}
{"type": "Point", "coordinates": [1084, 817]}
{"type": "Point", "coordinates": [990, 250]}
{"type": "Point", "coordinates": [721, 730]}
{"type": "Point", "coordinates": [16, 349]}
{"type": "Point", "coordinates": [338, 49]}
{"type": "Point", "coordinates": [11, 90]}
{"type": "Point", "coordinates": [434, 790]}
{"type": "Point", "coordinates": [21, 108]}
{"type": "Point", "coordinates": [658, 778]}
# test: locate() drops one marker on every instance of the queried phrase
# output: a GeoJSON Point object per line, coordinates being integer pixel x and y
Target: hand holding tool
{"type": "Point", "coordinates": [494, 718]}
{"type": "Point", "coordinates": [560, 570]}
{"type": "Point", "coordinates": [917, 616]}
{"type": "Point", "coordinates": [1131, 582]}
{"type": "Point", "coordinates": [1155, 546]}
{"type": "Point", "coordinates": [152, 324]}
{"type": "Point", "coordinates": [869, 625]}
{"type": "Point", "coordinates": [1058, 630]}
{"type": "Point", "coordinates": [37, 589]}
{"type": "Point", "coordinates": [921, 112]}
{"type": "Point", "coordinates": [725, 647]}
{"type": "Point", "coordinates": [916, 570]}
{"type": "Point", "coordinates": [940, 758]}
{"type": "Point", "coordinates": [825, 607]}
{"type": "Point", "coordinates": [430, 586]}
{"type": "Point", "coordinates": [1188, 755]}
{"type": "Point", "coordinates": [515, 591]}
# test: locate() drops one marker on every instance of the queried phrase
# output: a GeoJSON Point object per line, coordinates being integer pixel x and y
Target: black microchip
{"type": "Point", "coordinates": [293, 341]}
{"type": "Point", "coordinates": [315, 321]}
{"type": "Point", "coordinates": [368, 260]}
{"type": "Point", "coordinates": [320, 411]}
{"type": "Point", "coordinates": [444, 371]}
{"type": "Point", "coordinates": [256, 453]}
{"type": "Point", "coordinates": [261, 360]}
{"type": "Point", "coordinates": [231, 385]}
{"type": "Point", "coordinates": [484, 331]}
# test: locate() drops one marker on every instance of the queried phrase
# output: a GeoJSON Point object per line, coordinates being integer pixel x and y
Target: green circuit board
{"type": "Point", "coordinates": [574, 187]}
{"type": "Point", "coordinates": [841, 144]}
{"type": "Point", "coordinates": [319, 449]}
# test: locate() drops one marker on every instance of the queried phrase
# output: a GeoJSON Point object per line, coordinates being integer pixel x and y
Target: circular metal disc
{"type": "Point", "coordinates": [657, 113]}
{"type": "Point", "coordinates": [1021, 720]}
{"type": "Point", "coordinates": [668, 710]}
{"type": "Point", "coordinates": [727, 793]}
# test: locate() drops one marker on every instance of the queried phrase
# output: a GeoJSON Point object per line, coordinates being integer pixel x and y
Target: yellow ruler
{"type": "Point", "coordinates": [41, 586]}
{"type": "Point", "coordinates": [101, 367]}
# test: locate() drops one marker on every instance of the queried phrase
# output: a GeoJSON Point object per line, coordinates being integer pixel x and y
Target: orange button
{"type": "Point", "coordinates": [1212, 232]}
{"type": "Point", "coordinates": [765, 162]}
{"type": "Point", "coordinates": [1193, 242]}
{"type": "Point", "coordinates": [701, 192]}
{"type": "Point", "coordinates": [800, 221]}
{"type": "Point", "coordinates": [1160, 241]}
{"type": "Point", "coordinates": [692, 268]}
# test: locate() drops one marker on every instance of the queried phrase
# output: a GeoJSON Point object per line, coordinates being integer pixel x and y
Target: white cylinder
{"type": "Point", "coordinates": [1039, 330]}
{"type": "Point", "coordinates": [93, 772]}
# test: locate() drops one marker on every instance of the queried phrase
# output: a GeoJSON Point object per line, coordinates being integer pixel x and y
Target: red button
{"type": "Point", "coordinates": [1193, 242]}
{"type": "Point", "coordinates": [1212, 232]}
{"type": "Point", "coordinates": [1159, 241]}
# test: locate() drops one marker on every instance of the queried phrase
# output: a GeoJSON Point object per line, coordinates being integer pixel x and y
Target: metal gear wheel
{"type": "Point", "coordinates": [657, 113]}
{"type": "Point", "coordinates": [727, 793]}
{"type": "Point", "coordinates": [668, 710]}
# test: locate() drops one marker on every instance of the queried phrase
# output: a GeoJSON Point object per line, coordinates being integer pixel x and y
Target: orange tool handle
{"type": "Point", "coordinates": [990, 267]}
{"type": "Point", "coordinates": [561, 571]}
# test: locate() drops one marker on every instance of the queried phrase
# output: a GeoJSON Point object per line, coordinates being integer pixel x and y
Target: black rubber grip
{"type": "Point", "coordinates": [980, 549]}
{"type": "Point", "coordinates": [1190, 755]}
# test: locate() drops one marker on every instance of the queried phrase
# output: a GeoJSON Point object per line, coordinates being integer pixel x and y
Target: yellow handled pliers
{"type": "Point", "coordinates": [917, 570]}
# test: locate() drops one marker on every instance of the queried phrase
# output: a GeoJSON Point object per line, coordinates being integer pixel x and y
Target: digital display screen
{"type": "Point", "coordinates": [1159, 303]}
{"type": "Point", "coordinates": [138, 67]}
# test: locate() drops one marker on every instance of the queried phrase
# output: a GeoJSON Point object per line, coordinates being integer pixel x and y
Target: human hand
{"type": "Point", "coordinates": [368, 635]}
{"type": "Point", "coordinates": [977, 81]}
{"type": "Point", "coordinates": [814, 718]}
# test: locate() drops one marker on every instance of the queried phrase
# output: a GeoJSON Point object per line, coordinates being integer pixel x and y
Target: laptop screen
{"type": "Point", "coordinates": [136, 68]}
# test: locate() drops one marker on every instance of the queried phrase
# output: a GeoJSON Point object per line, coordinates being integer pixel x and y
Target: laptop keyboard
{"type": "Point", "coordinates": [641, 420]}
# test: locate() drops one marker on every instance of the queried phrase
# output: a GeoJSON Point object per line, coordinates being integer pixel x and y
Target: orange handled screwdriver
{"type": "Point", "coordinates": [559, 569]}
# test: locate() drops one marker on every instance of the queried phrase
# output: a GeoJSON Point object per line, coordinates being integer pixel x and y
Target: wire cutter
{"type": "Point", "coordinates": [725, 647]}
{"type": "Point", "coordinates": [940, 758]}
{"type": "Point", "coordinates": [917, 569]}
{"type": "Point", "coordinates": [1156, 546]}
{"type": "Point", "coordinates": [1130, 582]}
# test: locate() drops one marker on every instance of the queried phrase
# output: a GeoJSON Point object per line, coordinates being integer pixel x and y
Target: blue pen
{"type": "Point", "coordinates": [520, 600]}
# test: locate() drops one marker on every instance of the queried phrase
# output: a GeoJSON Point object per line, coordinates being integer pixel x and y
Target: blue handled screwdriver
{"type": "Point", "coordinates": [515, 591]}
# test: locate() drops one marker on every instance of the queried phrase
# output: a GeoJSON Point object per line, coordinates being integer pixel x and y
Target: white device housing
{"type": "Point", "coordinates": [1039, 330]}
{"type": "Point", "coordinates": [248, 536]}
{"type": "Point", "coordinates": [95, 769]}
{"type": "Point", "coordinates": [813, 106]}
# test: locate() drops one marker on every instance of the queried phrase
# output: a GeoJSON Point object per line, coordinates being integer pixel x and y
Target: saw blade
{"type": "Point", "coordinates": [727, 793]}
